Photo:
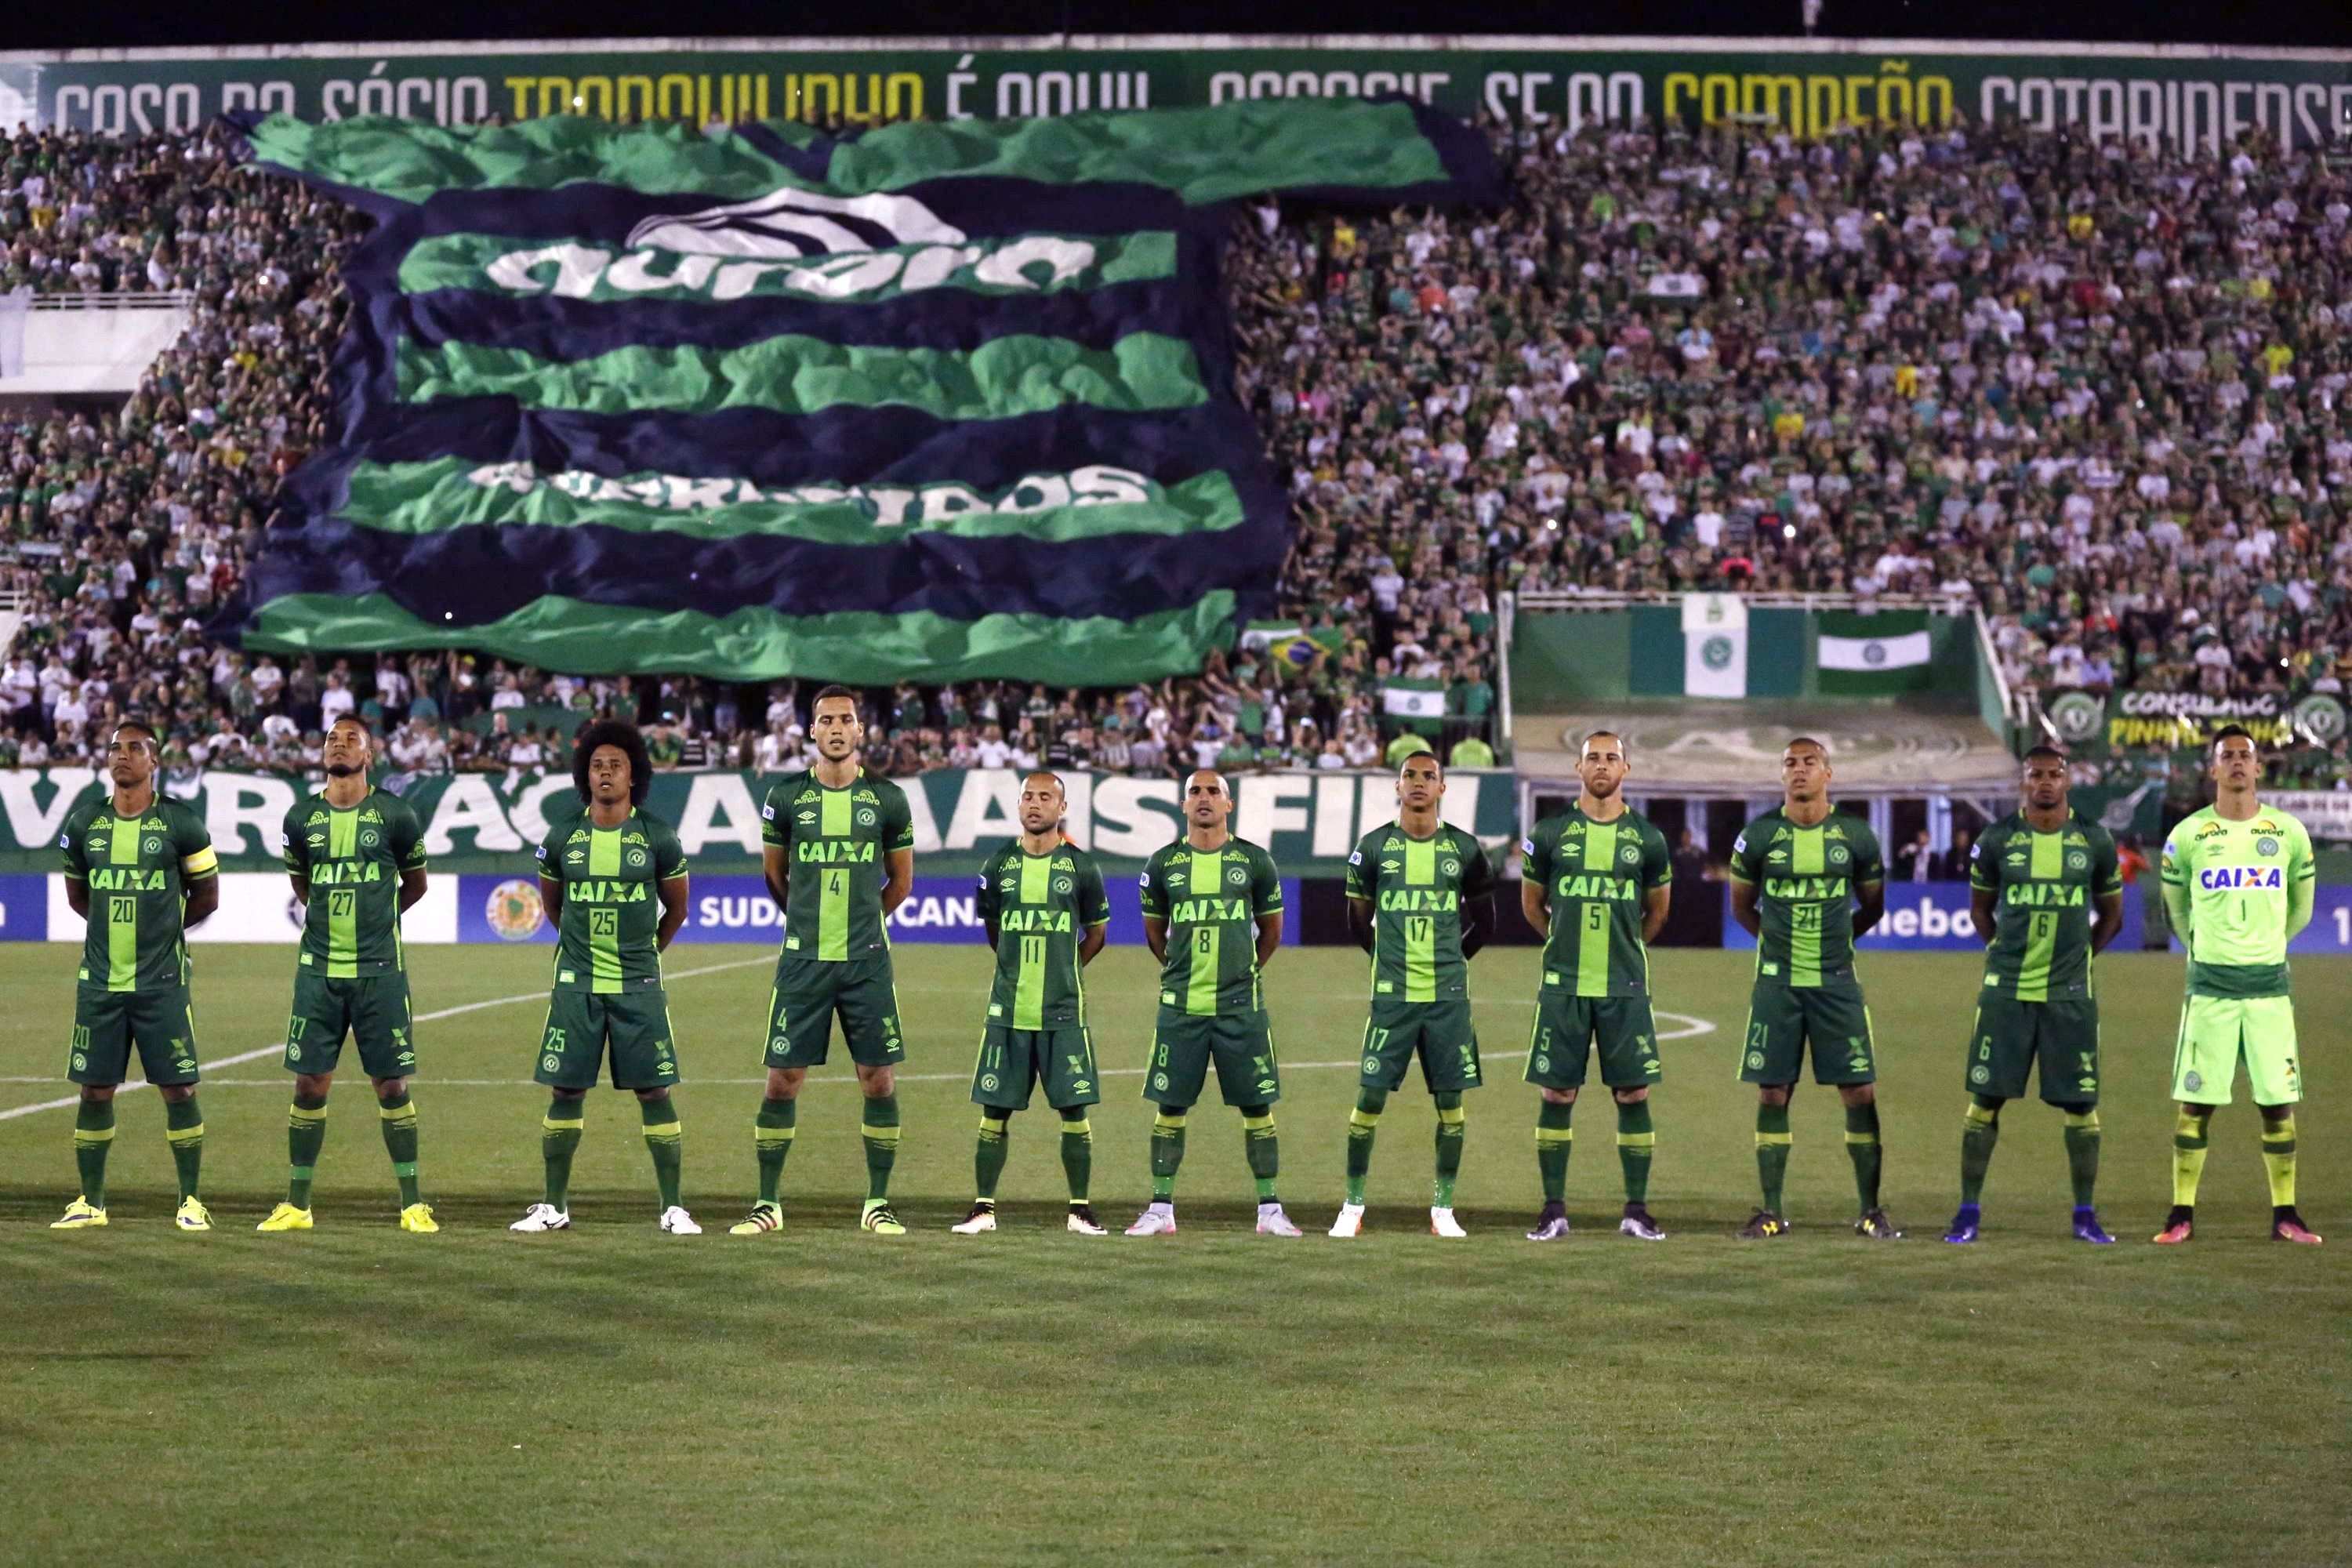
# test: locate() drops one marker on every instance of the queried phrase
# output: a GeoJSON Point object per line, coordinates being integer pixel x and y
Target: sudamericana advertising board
{"type": "Point", "coordinates": [2199, 97]}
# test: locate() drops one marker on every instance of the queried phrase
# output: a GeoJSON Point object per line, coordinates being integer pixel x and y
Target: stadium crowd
{"type": "Point", "coordinates": [2095, 389]}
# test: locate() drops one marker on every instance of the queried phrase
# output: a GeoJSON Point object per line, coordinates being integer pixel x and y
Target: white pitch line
{"type": "Point", "coordinates": [15, 1111]}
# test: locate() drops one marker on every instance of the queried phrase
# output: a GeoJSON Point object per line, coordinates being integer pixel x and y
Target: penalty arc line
{"type": "Point", "coordinates": [270, 1050]}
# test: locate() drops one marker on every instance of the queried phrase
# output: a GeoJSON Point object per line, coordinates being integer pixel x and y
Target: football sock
{"type": "Point", "coordinates": [2278, 1158]}
{"type": "Point", "coordinates": [1979, 1130]}
{"type": "Point", "coordinates": [306, 1135]}
{"type": "Point", "coordinates": [988, 1159]}
{"type": "Point", "coordinates": [2082, 1154]}
{"type": "Point", "coordinates": [1363, 1124]}
{"type": "Point", "coordinates": [663, 1143]}
{"type": "Point", "coordinates": [771, 1140]}
{"type": "Point", "coordinates": [400, 1141]}
{"type": "Point", "coordinates": [2188, 1155]}
{"type": "Point", "coordinates": [1263, 1149]}
{"type": "Point", "coordinates": [1555, 1140]}
{"type": "Point", "coordinates": [881, 1132]}
{"type": "Point", "coordinates": [559, 1140]}
{"type": "Point", "coordinates": [184, 1129]}
{"type": "Point", "coordinates": [93, 1136]}
{"type": "Point", "coordinates": [1452, 1123]}
{"type": "Point", "coordinates": [1862, 1147]}
{"type": "Point", "coordinates": [1077, 1151]}
{"type": "Point", "coordinates": [1771, 1151]}
{"type": "Point", "coordinates": [1167, 1151]}
{"type": "Point", "coordinates": [1636, 1144]}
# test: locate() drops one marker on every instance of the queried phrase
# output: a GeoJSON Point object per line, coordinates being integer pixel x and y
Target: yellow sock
{"type": "Point", "coordinates": [2278, 1155]}
{"type": "Point", "coordinates": [2189, 1156]}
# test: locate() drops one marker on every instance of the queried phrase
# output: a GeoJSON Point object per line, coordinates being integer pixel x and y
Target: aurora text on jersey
{"type": "Point", "coordinates": [1212, 899]}
{"type": "Point", "coordinates": [1420, 890]}
{"type": "Point", "coordinates": [1806, 879]}
{"type": "Point", "coordinates": [1596, 876]}
{"type": "Point", "coordinates": [606, 937]}
{"type": "Point", "coordinates": [836, 845]}
{"type": "Point", "coordinates": [2046, 888]}
{"type": "Point", "coordinates": [136, 869]}
{"type": "Point", "coordinates": [1042, 906]}
{"type": "Point", "coordinates": [352, 860]}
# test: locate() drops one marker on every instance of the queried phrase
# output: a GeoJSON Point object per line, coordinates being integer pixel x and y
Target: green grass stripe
{"type": "Point", "coordinates": [1204, 154]}
{"type": "Point", "coordinates": [428, 498]}
{"type": "Point", "coordinates": [587, 271]}
{"type": "Point", "coordinates": [760, 644]}
{"type": "Point", "coordinates": [794, 374]}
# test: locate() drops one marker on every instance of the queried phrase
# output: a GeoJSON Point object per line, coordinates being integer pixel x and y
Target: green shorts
{"type": "Point", "coordinates": [1439, 1033]}
{"type": "Point", "coordinates": [372, 1009]}
{"type": "Point", "coordinates": [810, 991]}
{"type": "Point", "coordinates": [1240, 1044]}
{"type": "Point", "coordinates": [106, 1024]}
{"type": "Point", "coordinates": [2009, 1036]}
{"type": "Point", "coordinates": [584, 1027]}
{"type": "Point", "coordinates": [1781, 1020]}
{"type": "Point", "coordinates": [1012, 1061]}
{"type": "Point", "coordinates": [2216, 1031]}
{"type": "Point", "coordinates": [1569, 1028]}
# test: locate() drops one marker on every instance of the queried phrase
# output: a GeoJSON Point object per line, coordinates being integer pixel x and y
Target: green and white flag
{"type": "Point", "coordinates": [1870, 654]}
{"type": "Point", "coordinates": [1714, 644]}
{"type": "Point", "coordinates": [1420, 703]}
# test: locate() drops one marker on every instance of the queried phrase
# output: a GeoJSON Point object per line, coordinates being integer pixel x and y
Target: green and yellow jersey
{"type": "Point", "coordinates": [1596, 875]}
{"type": "Point", "coordinates": [353, 857]}
{"type": "Point", "coordinates": [137, 869]}
{"type": "Point", "coordinates": [611, 877]}
{"type": "Point", "coordinates": [1417, 888]}
{"type": "Point", "coordinates": [2045, 888]}
{"type": "Point", "coordinates": [1042, 906]}
{"type": "Point", "coordinates": [1211, 900]}
{"type": "Point", "coordinates": [2236, 890]}
{"type": "Point", "coordinates": [836, 840]}
{"type": "Point", "coordinates": [1806, 879]}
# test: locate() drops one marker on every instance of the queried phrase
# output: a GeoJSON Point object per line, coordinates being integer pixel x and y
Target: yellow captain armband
{"type": "Point", "coordinates": [202, 863]}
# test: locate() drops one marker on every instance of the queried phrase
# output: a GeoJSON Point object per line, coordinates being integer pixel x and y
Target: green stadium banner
{"type": "Point", "coordinates": [1874, 655]}
{"type": "Point", "coordinates": [490, 822]}
{"type": "Point", "coordinates": [2201, 97]}
{"type": "Point", "coordinates": [2094, 724]}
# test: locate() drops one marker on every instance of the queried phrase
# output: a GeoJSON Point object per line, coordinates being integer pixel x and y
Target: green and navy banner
{"type": "Point", "coordinates": [1871, 655]}
{"type": "Point", "coordinates": [932, 401]}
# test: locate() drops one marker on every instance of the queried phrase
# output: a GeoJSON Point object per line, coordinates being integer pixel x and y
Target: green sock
{"type": "Point", "coordinates": [1167, 1152]}
{"type": "Point", "coordinates": [771, 1136]}
{"type": "Point", "coordinates": [1555, 1140]}
{"type": "Point", "coordinates": [1979, 1130]}
{"type": "Point", "coordinates": [1077, 1151]}
{"type": "Point", "coordinates": [306, 1135]}
{"type": "Point", "coordinates": [93, 1136]}
{"type": "Point", "coordinates": [1771, 1151]}
{"type": "Point", "coordinates": [2188, 1155]}
{"type": "Point", "coordinates": [1862, 1147]}
{"type": "Point", "coordinates": [662, 1131]}
{"type": "Point", "coordinates": [1452, 1123]}
{"type": "Point", "coordinates": [2082, 1154]}
{"type": "Point", "coordinates": [988, 1160]}
{"type": "Point", "coordinates": [1263, 1149]}
{"type": "Point", "coordinates": [881, 1133]}
{"type": "Point", "coordinates": [559, 1140]}
{"type": "Point", "coordinates": [1363, 1124]}
{"type": "Point", "coordinates": [1636, 1141]}
{"type": "Point", "coordinates": [400, 1142]}
{"type": "Point", "coordinates": [184, 1129]}
{"type": "Point", "coordinates": [2278, 1159]}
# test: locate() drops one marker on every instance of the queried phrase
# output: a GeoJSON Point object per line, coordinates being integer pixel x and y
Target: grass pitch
{"type": "Point", "coordinates": [611, 1396]}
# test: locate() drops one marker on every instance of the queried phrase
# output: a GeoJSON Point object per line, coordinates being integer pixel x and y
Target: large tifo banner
{"type": "Point", "coordinates": [2198, 98]}
{"type": "Point", "coordinates": [950, 401]}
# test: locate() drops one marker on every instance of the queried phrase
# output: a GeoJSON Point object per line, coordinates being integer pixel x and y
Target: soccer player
{"type": "Point", "coordinates": [1213, 917]}
{"type": "Point", "coordinates": [2238, 879]}
{"type": "Point", "coordinates": [840, 856]}
{"type": "Point", "coordinates": [1595, 882]}
{"type": "Point", "coordinates": [1042, 902]}
{"type": "Point", "coordinates": [1806, 882]}
{"type": "Point", "coordinates": [2035, 880]}
{"type": "Point", "coordinates": [1419, 901]}
{"type": "Point", "coordinates": [356, 855]}
{"type": "Point", "coordinates": [140, 868]}
{"type": "Point", "coordinates": [614, 881]}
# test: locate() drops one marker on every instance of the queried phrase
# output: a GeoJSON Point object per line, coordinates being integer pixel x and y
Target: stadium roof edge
{"type": "Point", "coordinates": [1084, 42]}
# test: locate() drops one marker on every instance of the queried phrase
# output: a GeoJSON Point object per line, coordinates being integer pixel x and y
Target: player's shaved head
{"type": "Point", "coordinates": [1205, 780]}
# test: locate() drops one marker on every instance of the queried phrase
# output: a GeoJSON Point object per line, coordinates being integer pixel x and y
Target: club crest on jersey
{"type": "Point", "coordinates": [1451, 867]}
{"type": "Point", "coordinates": [2223, 878]}
{"type": "Point", "coordinates": [2266, 847]}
